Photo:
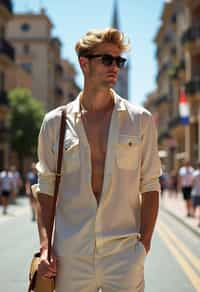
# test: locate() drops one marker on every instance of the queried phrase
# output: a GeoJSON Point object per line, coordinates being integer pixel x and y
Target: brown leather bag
{"type": "Point", "coordinates": [37, 283]}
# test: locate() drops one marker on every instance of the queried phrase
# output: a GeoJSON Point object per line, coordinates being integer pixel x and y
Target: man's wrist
{"type": "Point", "coordinates": [43, 246]}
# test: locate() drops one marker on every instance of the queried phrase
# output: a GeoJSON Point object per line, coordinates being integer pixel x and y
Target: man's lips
{"type": "Point", "coordinates": [113, 75]}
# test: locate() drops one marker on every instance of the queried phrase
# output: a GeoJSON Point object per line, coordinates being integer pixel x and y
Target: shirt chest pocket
{"type": "Point", "coordinates": [128, 151]}
{"type": "Point", "coordinates": [71, 154]}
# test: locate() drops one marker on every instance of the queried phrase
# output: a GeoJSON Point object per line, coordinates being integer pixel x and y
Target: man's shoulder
{"type": "Point", "coordinates": [136, 109]}
{"type": "Point", "coordinates": [55, 114]}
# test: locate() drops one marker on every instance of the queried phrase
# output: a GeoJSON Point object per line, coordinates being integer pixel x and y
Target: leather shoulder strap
{"type": "Point", "coordinates": [57, 178]}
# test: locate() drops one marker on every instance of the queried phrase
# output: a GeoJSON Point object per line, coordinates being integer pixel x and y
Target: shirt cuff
{"type": "Point", "coordinates": [150, 187]}
{"type": "Point", "coordinates": [45, 185]}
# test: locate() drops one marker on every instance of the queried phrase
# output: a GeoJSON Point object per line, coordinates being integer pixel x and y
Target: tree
{"type": "Point", "coordinates": [25, 119]}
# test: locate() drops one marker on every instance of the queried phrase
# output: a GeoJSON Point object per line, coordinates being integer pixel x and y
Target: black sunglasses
{"type": "Point", "coordinates": [107, 59]}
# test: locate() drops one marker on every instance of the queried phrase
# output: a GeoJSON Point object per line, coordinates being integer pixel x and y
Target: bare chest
{"type": "Point", "coordinates": [97, 132]}
{"type": "Point", "coordinates": [97, 129]}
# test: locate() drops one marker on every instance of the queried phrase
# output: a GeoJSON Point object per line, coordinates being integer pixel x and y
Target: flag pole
{"type": "Point", "coordinates": [187, 142]}
{"type": "Point", "coordinates": [199, 134]}
{"type": "Point", "coordinates": [184, 112]}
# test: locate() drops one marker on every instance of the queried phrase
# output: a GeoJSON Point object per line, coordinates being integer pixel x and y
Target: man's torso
{"type": "Point", "coordinates": [96, 126]}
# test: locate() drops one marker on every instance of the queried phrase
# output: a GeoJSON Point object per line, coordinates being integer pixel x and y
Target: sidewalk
{"type": "Point", "coordinates": [176, 208]}
{"type": "Point", "coordinates": [21, 207]}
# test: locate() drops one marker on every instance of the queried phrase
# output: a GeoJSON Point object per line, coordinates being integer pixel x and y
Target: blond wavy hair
{"type": "Point", "coordinates": [92, 39]}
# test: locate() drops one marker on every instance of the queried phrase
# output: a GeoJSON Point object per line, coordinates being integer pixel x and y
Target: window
{"type": "Point", "coordinates": [2, 32]}
{"type": "Point", "coordinates": [26, 49]}
{"type": "Point", "coordinates": [27, 67]}
{"type": "Point", "coordinates": [25, 27]}
{"type": "Point", "coordinates": [2, 80]}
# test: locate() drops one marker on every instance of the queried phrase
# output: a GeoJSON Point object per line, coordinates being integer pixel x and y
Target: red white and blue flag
{"type": "Point", "coordinates": [184, 110]}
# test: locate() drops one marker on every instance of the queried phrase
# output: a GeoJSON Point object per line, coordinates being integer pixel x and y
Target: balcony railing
{"type": "Point", "coordinates": [191, 34]}
{"type": "Point", "coordinates": [193, 86]}
{"type": "Point", "coordinates": [7, 49]}
{"type": "Point", "coordinates": [7, 4]}
{"type": "Point", "coordinates": [3, 98]}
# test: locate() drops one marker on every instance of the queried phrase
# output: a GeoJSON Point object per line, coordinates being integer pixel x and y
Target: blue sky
{"type": "Point", "coordinates": [139, 20]}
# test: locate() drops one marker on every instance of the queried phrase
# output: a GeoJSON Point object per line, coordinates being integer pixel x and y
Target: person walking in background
{"type": "Point", "coordinates": [6, 187]}
{"type": "Point", "coordinates": [17, 182]}
{"type": "Point", "coordinates": [185, 184]}
{"type": "Point", "coordinates": [195, 194]}
{"type": "Point", "coordinates": [173, 183]}
{"type": "Point", "coordinates": [109, 191]}
{"type": "Point", "coordinates": [31, 179]}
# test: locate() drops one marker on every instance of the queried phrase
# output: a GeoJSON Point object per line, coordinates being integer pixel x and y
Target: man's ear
{"type": "Point", "coordinates": [83, 63]}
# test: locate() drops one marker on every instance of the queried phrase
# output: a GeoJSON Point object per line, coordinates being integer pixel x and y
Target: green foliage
{"type": "Point", "coordinates": [26, 114]}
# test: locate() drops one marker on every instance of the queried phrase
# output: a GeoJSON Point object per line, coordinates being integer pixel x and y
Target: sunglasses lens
{"type": "Point", "coordinates": [107, 60]}
{"type": "Point", "coordinates": [120, 62]}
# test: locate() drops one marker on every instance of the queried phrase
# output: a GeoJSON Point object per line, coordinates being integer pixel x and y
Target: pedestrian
{"type": "Point", "coordinates": [163, 179]}
{"type": "Point", "coordinates": [109, 190]}
{"type": "Point", "coordinates": [173, 183]}
{"type": "Point", "coordinates": [185, 184]}
{"type": "Point", "coordinates": [17, 182]}
{"type": "Point", "coordinates": [31, 179]}
{"type": "Point", "coordinates": [196, 193]}
{"type": "Point", "coordinates": [6, 187]}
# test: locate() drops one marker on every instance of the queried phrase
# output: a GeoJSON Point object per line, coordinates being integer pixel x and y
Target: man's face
{"type": "Point", "coordinates": [102, 70]}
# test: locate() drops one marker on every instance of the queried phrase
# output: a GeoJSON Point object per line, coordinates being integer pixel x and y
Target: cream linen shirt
{"type": "Point", "coordinates": [132, 167]}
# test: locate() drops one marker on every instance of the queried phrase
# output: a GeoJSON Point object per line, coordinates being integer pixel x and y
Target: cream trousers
{"type": "Point", "coordinates": [116, 267]}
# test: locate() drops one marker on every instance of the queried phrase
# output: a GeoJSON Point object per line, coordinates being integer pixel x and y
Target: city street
{"type": "Point", "coordinates": [172, 266]}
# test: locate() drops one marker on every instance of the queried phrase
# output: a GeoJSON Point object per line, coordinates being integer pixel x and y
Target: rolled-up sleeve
{"type": "Point", "coordinates": [46, 165]}
{"type": "Point", "coordinates": [150, 161]}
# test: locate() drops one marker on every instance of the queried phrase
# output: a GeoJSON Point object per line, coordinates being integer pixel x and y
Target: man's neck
{"type": "Point", "coordinates": [94, 101]}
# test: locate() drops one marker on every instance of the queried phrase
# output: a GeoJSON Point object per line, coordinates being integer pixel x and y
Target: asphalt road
{"type": "Point", "coordinates": [173, 264]}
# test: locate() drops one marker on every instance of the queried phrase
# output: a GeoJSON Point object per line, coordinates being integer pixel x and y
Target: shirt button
{"type": "Point", "coordinates": [130, 143]}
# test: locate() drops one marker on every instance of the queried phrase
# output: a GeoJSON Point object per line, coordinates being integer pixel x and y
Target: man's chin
{"type": "Point", "coordinates": [112, 83]}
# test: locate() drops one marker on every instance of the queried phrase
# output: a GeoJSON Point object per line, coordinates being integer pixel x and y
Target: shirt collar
{"type": "Point", "coordinates": [119, 103]}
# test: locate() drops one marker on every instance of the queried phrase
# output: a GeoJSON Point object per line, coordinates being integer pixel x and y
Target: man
{"type": "Point", "coordinates": [108, 198]}
{"type": "Point", "coordinates": [31, 179]}
{"type": "Point", "coordinates": [195, 194]}
{"type": "Point", "coordinates": [17, 182]}
{"type": "Point", "coordinates": [185, 185]}
{"type": "Point", "coordinates": [6, 187]}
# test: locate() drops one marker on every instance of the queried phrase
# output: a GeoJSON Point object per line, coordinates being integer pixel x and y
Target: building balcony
{"type": "Point", "coordinates": [193, 86]}
{"type": "Point", "coordinates": [6, 50]}
{"type": "Point", "coordinates": [3, 98]}
{"type": "Point", "coordinates": [7, 4]}
{"type": "Point", "coordinates": [191, 35]}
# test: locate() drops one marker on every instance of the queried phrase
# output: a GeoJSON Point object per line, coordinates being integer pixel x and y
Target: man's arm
{"type": "Point", "coordinates": [44, 207]}
{"type": "Point", "coordinates": [149, 212]}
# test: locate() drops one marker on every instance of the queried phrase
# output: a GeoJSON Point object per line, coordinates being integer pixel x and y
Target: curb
{"type": "Point", "coordinates": [194, 229]}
